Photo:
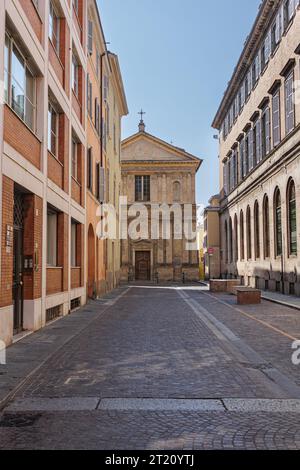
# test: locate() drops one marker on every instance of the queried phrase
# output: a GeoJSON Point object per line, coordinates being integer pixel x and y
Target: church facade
{"type": "Point", "coordinates": [155, 173]}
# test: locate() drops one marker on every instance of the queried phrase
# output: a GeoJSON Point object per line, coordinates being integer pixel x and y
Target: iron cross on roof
{"type": "Point", "coordinates": [142, 114]}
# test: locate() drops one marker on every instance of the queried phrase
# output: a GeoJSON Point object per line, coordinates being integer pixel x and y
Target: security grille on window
{"type": "Point", "coordinates": [52, 130]}
{"type": "Point", "coordinates": [19, 83]}
{"type": "Point", "coordinates": [142, 188]}
{"type": "Point", "coordinates": [54, 27]}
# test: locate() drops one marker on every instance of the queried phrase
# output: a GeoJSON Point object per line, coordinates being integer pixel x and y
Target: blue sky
{"type": "Point", "coordinates": [176, 58]}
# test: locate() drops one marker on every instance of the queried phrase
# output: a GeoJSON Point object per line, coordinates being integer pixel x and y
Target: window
{"type": "Point", "coordinates": [74, 159]}
{"type": "Point", "coordinates": [51, 238]}
{"type": "Point", "coordinates": [266, 227]}
{"type": "Point", "coordinates": [176, 191]}
{"type": "Point", "coordinates": [101, 183]}
{"type": "Point", "coordinates": [289, 103]}
{"type": "Point", "coordinates": [142, 188]}
{"type": "Point", "coordinates": [278, 223]}
{"type": "Point", "coordinates": [242, 246]}
{"type": "Point", "coordinates": [97, 116]}
{"type": "Point", "coordinates": [256, 231]}
{"type": "Point", "coordinates": [230, 248]}
{"type": "Point", "coordinates": [6, 68]}
{"type": "Point", "coordinates": [265, 132]}
{"type": "Point", "coordinates": [292, 218]}
{"type": "Point", "coordinates": [98, 64]}
{"type": "Point", "coordinates": [90, 169]}
{"type": "Point", "coordinates": [276, 118]}
{"type": "Point", "coordinates": [90, 37]}
{"type": "Point", "coordinates": [20, 85]}
{"type": "Point", "coordinates": [226, 242]}
{"type": "Point", "coordinates": [74, 262]}
{"type": "Point", "coordinates": [249, 240]}
{"type": "Point", "coordinates": [54, 27]}
{"type": "Point", "coordinates": [52, 130]}
{"type": "Point", "coordinates": [115, 138]}
{"type": "Point", "coordinates": [89, 98]}
{"type": "Point", "coordinates": [75, 75]}
{"type": "Point", "coordinates": [76, 6]}
{"type": "Point", "coordinates": [288, 11]}
{"type": "Point", "coordinates": [242, 159]}
{"type": "Point", "coordinates": [250, 140]}
{"type": "Point", "coordinates": [236, 246]}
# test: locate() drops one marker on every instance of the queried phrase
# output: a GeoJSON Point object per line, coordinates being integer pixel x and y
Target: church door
{"type": "Point", "coordinates": [142, 265]}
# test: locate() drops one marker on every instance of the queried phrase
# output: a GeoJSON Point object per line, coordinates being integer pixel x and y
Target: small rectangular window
{"type": "Point", "coordinates": [74, 159]}
{"type": "Point", "coordinates": [142, 188]}
{"type": "Point", "coordinates": [74, 244]}
{"type": "Point", "coordinates": [51, 238]}
{"type": "Point", "coordinates": [52, 130]}
{"type": "Point", "coordinates": [54, 26]}
{"type": "Point", "coordinates": [289, 103]}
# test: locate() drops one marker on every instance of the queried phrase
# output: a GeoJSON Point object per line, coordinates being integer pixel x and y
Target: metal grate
{"type": "Point", "coordinates": [75, 303]}
{"type": "Point", "coordinates": [18, 210]}
{"type": "Point", "coordinates": [52, 313]}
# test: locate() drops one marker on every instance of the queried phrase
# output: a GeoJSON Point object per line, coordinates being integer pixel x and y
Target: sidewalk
{"type": "Point", "coordinates": [291, 301]}
{"type": "Point", "coordinates": [286, 300]}
{"type": "Point", "coordinates": [25, 357]}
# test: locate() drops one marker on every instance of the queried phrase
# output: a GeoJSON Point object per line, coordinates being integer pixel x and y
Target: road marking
{"type": "Point", "coordinates": [242, 405]}
{"type": "Point", "coordinates": [271, 327]}
{"type": "Point", "coordinates": [276, 382]}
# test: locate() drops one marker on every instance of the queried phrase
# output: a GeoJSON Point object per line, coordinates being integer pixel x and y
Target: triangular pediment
{"type": "Point", "coordinates": [143, 147]}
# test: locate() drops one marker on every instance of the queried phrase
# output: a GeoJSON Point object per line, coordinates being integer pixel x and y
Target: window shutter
{"type": "Point", "coordinates": [267, 131]}
{"type": "Point", "coordinates": [291, 8]}
{"type": "Point", "coordinates": [278, 28]}
{"type": "Point", "coordinates": [250, 143]}
{"type": "Point", "coordinates": [101, 183]}
{"type": "Point", "coordinates": [225, 177]}
{"type": "Point", "coordinates": [90, 37]}
{"type": "Point", "coordinates": [276, 119]}
{"type": "Point", "coordinates": [289, 103]}
{"type": "Point", "coordinates": [242, 156]}
{"type": "Point", "coordinates": [249, 81]}
{"type": "Point", "coordinates": [258, 141]}
{"type": "Point", "coordinates": [268, 46]}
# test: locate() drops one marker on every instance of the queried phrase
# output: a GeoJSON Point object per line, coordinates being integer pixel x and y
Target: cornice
{"type": "Point", "coordinates": [261, 24]}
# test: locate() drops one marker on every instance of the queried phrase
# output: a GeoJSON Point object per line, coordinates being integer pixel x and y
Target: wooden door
{"type": "Point", "coordinates": [142, 265]}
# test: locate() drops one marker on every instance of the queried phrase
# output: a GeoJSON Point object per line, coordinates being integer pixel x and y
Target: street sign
{"type": "Point", "coordinates": [211, 251]}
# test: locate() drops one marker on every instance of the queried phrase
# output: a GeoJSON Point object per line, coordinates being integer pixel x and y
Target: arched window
{"type": "Point", "coordinates": [226, 242]}
{"type": "Point", "coordinates": [248, 228]}
{"type": "Point", "coordinates": [266, 227]}
{"type": "Point", "coordinates": [176, 191]}
{"type": "Point", "coordinates": [256, 231]}
{"type": "Point", "coordinates": [236, 246]}
{"type": "Point", "coordinates": [230, 241]}
{"type": "Point", "coordinates": [242, 237]}
{"type": "Point", "coordinates": [278, 223]}
{"type": "Point", "coordinates": [292, 218]}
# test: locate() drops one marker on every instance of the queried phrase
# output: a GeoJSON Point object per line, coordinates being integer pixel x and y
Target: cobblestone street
{"type": "Point", "coordinates": [156, 368]}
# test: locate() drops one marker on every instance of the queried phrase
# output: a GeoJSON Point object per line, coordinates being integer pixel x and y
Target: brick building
{"type": "Point", "coordinates": [45, 135]}
{"type": "Point", "coordinates": [259, 124]}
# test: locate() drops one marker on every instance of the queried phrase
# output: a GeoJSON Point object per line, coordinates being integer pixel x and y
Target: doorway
{"type": "Point", "coordinates": [142, 265]}
{"type": "Point", "coordinates": [18, 262]}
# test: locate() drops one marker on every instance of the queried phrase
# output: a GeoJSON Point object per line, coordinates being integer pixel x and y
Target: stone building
{"type": "Point", "coordinates": [155, 172]}
{"type": "Point", "coordinates": [211, 242]}
{"type": "Point", "coordinates": [259, 124]}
